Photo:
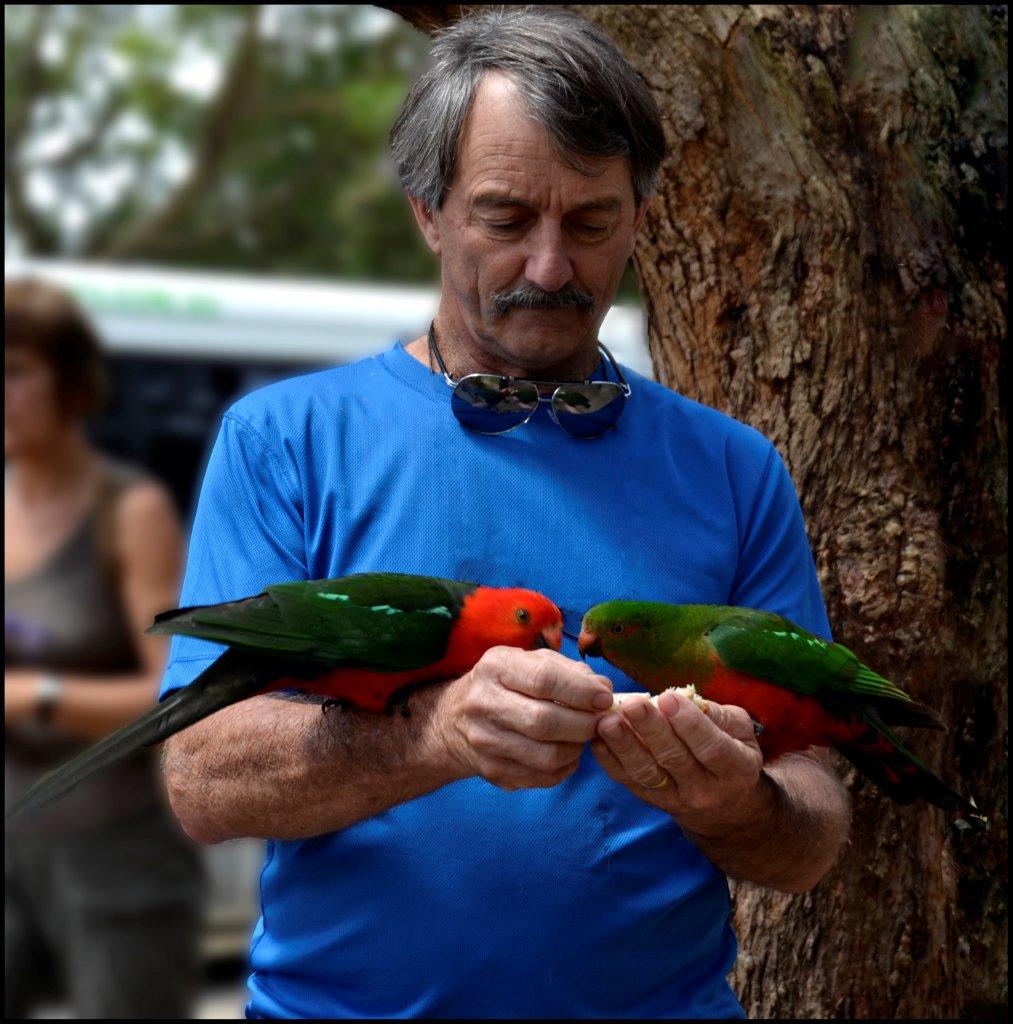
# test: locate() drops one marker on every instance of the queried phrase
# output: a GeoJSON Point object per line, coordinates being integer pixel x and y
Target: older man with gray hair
{"type": "Point", "coordinates": [515, 848]}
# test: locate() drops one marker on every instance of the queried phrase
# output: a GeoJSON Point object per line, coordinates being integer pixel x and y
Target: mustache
{"type": "Point", "coordinates": [530, 296]}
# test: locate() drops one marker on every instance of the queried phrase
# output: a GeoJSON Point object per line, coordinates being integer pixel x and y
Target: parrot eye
{"type": "Point", "coordinates": [618, 628]}
{"type": "Point", "coordinates": [523, 616]}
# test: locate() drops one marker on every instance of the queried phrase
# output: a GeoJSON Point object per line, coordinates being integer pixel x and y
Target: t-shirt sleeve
{"type": "Point", "coordinates": [247, 533]}
{"type": "Point", "coordinates": [776, 571]}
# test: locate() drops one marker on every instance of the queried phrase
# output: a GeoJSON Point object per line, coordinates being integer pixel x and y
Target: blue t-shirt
{"type": "Point", "coordinates": [574, 901]}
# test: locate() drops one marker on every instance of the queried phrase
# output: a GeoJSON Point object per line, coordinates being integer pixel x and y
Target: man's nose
{"type": "Point", "coordinates": [548, 264]}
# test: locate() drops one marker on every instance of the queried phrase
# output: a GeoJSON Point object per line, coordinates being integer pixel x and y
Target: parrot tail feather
{"type": "Point", "coordinates": [907, 712]}
{"type": "Point", "coordinates": [229, 679]}
{"type": "Point", "coordinates": [880, 756]}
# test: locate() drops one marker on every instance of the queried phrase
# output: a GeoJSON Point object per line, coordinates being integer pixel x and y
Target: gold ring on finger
{"type": "Point", "coordinates": [659, 785]}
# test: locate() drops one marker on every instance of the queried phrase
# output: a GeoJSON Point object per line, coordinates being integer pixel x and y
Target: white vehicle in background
{"type": "Point", "coordinates": [181, 345]}
{"type": "Point", "coordinates": [149, 311]}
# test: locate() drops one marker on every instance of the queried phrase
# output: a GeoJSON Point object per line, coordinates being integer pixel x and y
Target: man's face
{"type": "Point", "coordinates": [518, 220]}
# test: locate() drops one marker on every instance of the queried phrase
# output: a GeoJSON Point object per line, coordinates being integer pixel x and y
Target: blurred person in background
{"type": "Point", "coordinates": [103, 884]}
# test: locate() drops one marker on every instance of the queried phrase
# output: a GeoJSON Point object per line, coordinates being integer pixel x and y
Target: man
{"type": "Point", "coordinates": [476, 859]}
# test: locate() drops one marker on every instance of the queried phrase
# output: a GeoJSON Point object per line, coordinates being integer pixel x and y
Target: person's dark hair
{"type": "Point", "coordinates": [571, 77]}
{"type": "Point", "coordinates": [44, 319]}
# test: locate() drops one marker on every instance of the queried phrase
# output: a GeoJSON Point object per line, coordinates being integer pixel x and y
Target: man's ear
{"type": "Point", "coordinates": [426, 220]}
{"type": "Point", "coordinates": [638, 218]}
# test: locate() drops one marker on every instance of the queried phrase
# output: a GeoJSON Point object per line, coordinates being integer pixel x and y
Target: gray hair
{"type": "Point", "coordinates": [573, 80]}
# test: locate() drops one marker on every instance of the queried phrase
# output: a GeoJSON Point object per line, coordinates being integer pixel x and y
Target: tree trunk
{"type": "Point", "coordinates": [825, 261]}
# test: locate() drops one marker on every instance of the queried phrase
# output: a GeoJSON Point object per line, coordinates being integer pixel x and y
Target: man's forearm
{"type": "Point", "coordinates": [281, 769]}
{"type": "Point", "coordinates": [797, 822]}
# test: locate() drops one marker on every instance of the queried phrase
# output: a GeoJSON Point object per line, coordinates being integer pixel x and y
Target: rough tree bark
{"type": "Point", "coordinates": [826, 261]}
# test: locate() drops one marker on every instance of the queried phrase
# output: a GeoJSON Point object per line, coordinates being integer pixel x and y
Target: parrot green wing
{"type": "Point", "coordinates": [771, 647]}
{"type": "Point", "coordinates": [380, 620]}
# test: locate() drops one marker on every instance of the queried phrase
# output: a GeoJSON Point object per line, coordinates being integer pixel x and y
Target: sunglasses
{"type": "Point", "coordinates": [490, 404]}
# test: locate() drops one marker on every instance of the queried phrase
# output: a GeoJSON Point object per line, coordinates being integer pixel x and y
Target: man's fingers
{"type": "Point", "coordinates": [543, 719]}
{"type": "Point", "coordinates": [609, 762]}
{"type": "Point", "coordinates": [547, 675]}
{"type": "Point", "coordinates": [664, 744]}
{"type": "Point", "coordinates": [521, 718]}
{"type": "Point", "coordinates": [733, 720]}
{"type": "Point", "coordinates": [717, 750]}
{"type": "Point", "coordinates": [497, 743]}
{"type": "Point", "coordinates": [513, 775]}
{"type": "Point", "coordinates": [635, 759]}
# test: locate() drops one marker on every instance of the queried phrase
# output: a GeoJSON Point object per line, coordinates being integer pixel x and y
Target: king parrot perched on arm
{"type": "Point", "coordinates": [364, 640]}
{"type": "Point", "coordinates": [801, 690]}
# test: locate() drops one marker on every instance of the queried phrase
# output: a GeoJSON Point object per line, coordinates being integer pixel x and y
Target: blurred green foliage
{"type": "Point", "coordinates": [246, 137]}
{"type": "Point", "coordinates": [215, 135]}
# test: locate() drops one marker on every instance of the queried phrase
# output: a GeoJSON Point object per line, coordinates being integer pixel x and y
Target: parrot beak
{"type": "Point", "coordinates": [552, 637]}
{"type": "Point", "coordinates": [589, 644]}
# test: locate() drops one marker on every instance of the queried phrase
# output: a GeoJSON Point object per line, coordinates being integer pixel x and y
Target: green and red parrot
{"type": "Point", "coordinates": [363, 640]}
{"type": "Point", "coordinates": [800, 690]}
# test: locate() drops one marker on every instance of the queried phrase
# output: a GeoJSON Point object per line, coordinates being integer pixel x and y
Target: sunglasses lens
{"type": "Point", "coordinates": [489, 404]}
{"type": "Point", "coordinates": [587, 410]}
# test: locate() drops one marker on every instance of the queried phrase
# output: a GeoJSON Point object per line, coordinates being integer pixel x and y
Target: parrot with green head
{"type": "Point", "coordinates": [365, 640]}
{"type": "Point", "coordinates": [800, 690]}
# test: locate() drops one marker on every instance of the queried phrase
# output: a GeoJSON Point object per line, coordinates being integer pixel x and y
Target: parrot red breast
{"type": "Point", "coordinates": [363, 640]}
{"type": "Point", "coordinates": [801, 690]}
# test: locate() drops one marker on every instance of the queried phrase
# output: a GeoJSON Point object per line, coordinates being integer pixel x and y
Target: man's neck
{"type": "Point", "coordinates": [463, 354]}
